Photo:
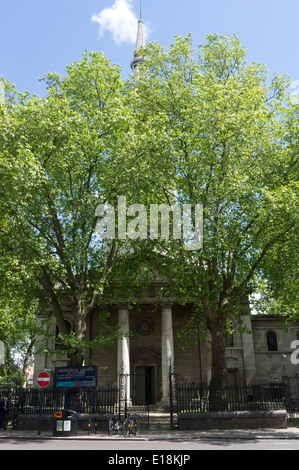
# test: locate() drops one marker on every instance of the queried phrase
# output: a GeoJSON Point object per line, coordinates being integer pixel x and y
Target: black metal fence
{"type": "Point", "coordinates": [292, 400]}
{"type": "Point", "coordinates": [292, 393]}
{"type": "Point", "coordinates": [184, 398]}
{"type": "Point", "coordinates": [104, 400]}
{"type": "Point", "coordinates": [188, 398]}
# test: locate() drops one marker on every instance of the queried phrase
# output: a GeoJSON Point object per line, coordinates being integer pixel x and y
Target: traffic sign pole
{"type": "Point", "coordinates": [43, 380]}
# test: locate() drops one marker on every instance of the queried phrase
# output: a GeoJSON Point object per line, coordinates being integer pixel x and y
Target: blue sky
{"type": "Point", "coordinates": [37, 37]}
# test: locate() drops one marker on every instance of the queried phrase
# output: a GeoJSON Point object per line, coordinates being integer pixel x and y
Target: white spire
{"type": "Point", "coordinates": [140, 42]}
{"type": "Point", "coordinates": [140, 35]}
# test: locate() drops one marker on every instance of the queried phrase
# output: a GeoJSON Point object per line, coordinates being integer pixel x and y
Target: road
{"type": "Point", "coordinates": [178, 446]}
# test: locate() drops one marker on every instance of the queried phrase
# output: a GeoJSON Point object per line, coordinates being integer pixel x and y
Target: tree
{"type": "Point", "coordinates": [202, 128]}
{"type": "Point", "coordinates": [216, 131]}
{"type": "Point", "coordinates": [62, 157]}
{"type": "Point", "coordinates": [20, 302]}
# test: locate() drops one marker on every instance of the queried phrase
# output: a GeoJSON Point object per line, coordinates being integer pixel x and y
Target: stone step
{"type": "Point", "coordinates": [159, 421]}
{"type": "Point", "coordinates": [159, 416]}
{"type": "Point", "coordinates": [159, 408]}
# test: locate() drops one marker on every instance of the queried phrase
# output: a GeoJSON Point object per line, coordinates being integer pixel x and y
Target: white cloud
{"type": "Point", "coordinates": [119, 20]}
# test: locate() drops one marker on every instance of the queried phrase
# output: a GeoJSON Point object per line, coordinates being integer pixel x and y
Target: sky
{"type": "Point", "coordinates": [39, 36]}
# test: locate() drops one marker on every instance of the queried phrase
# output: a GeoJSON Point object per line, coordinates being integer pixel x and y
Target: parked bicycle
{"type": "Point", "coordinates": [131, 426]}
{"type": "Point", "coordinates": [114, 425]}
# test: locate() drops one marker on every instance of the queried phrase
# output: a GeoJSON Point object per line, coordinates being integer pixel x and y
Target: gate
{"type": "Point", "coordinates": [292, 393]}
{"type": "Point", "coordinates": [134, 395]}
{"type": "Point", "coordinates": [291, 385]}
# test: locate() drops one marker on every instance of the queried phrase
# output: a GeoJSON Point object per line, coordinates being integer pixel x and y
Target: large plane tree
{"type": "Point", "coordinates": [219, 132]}
{"type": "Point", "coordinates": [62, 156]}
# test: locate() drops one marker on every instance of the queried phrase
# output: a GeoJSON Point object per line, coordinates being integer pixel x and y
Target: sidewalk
{"type": "Point", "coordinates": [160, 435]}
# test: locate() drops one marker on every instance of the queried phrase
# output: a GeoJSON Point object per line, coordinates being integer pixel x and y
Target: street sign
{"type": "Point", "coordinates": [76, 377]}
{"type": "Point", "coordinates": [43, 379]}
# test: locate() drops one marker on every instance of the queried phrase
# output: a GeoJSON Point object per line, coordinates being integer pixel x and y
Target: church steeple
{"type": "Point", "coordinates": [140, 42]}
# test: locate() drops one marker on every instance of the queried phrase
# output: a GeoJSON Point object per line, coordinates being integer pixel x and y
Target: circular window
{"type": "Point", "coordinates": [144, 326]}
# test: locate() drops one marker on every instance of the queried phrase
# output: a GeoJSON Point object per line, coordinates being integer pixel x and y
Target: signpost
{"type": "Point", "coordinates": [43, 380]}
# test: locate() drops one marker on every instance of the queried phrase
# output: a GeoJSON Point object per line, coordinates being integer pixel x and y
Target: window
{"type": "Point", "coordinates": [144, 326]}
{"type": "Point", "coordinates": [229, 339]}
{"type": "Point", "coordinates": [229, 334]}
{"type": "Point", "coordinates": [272, 341]}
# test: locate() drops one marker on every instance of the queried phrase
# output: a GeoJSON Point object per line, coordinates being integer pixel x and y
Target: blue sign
{"type": "Point", "coordinates": [76, 377]}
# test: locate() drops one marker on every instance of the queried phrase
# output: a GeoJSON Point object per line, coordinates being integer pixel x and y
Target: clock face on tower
{"type": "Point", "coordinates": [145, 326]}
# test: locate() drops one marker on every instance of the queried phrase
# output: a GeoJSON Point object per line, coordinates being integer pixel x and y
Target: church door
{"type": "Point", "coordinates": [143, 385]}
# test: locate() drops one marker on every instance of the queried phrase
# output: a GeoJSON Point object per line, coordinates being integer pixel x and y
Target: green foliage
{"type": "Point", "coordinates": [61, 157]}
{"type": "Point", "coordinates": [198, 127]}
{"type": "Point", "coordinates": [226, 137]}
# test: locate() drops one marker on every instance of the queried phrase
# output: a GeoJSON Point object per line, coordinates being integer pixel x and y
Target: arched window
{"type": "Point", "coordinates": [229, 334]}
{"type": "Point", "coordinates": [272, 341]}
{"type": "Point", "coordinates": [229, 339]}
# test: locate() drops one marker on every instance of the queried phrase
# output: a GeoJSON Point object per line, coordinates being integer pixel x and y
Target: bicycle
{"type": "Point", "coordinates": [131, 426]}
{"type": "Point", "coordinates": [114, 425]}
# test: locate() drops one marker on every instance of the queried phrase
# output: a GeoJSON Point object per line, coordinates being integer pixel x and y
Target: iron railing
{"type": "Point", "coordinates": [104, 400]}
{"type": "Point", "coordinates": [184, 398]}
{"type": "Point", "coordinates": [188, 398]}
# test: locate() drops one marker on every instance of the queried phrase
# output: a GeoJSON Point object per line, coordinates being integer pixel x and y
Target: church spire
{"type": "Point", "coordinates": [140, 42]}
{"type": "Point", "coordinates": [140, 35]}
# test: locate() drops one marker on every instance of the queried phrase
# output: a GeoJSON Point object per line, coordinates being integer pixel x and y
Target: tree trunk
{"type": "Point", "coordinates": [76, 356]}
{"type": "Point", "coordinates": [75, 359]}
{"type": "Point", "coordinates": [219, 370]}
{"type": "Point", "coordinates": [219, 378]}
{"type": "Point", "coordinates": [27, 358]}
{"type": "Point", "coordinates": [53, 301]}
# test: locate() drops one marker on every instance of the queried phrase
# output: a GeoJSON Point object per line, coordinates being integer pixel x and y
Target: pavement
{"type": "Point", "coordinates": [159, 435]}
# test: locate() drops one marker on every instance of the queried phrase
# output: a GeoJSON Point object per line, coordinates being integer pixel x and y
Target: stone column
{"type": "Point", "coordinates": [123, 346]}
{"type": "Point", "coordinates": [248, 351]}
{"type": "Point", "coordinates": [167, 349]}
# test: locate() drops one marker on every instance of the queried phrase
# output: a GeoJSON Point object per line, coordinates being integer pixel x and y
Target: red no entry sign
{"type": "Point", "coordinates": [43, 379]}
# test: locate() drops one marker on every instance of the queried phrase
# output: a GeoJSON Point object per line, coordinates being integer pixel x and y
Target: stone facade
{"type": "Point", "coordinates": [276, 363]}
{"type": "Point", "coordinates": [151, 342]}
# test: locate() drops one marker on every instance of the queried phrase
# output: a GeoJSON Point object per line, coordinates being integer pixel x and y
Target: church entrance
{"type": "Point", "coordinates": [143, 385]}
{"type": "Point", "coordinates": [146, 379]}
